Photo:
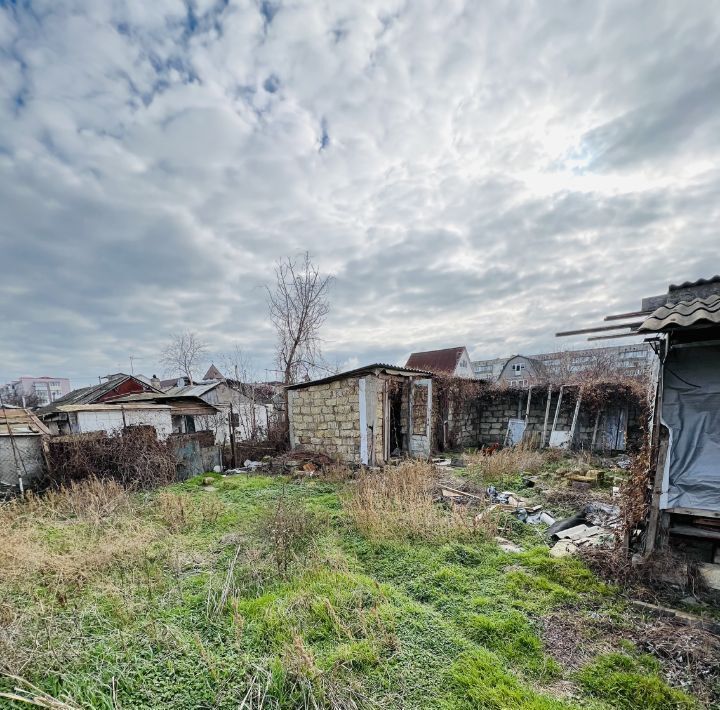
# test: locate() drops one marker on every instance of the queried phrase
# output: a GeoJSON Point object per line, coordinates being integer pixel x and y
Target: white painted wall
{"type": "Point", "coordinates": [110, 420]}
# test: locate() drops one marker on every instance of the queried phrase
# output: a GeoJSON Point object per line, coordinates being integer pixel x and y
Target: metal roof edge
{"type": "Point", "coordinates": [399, 369]}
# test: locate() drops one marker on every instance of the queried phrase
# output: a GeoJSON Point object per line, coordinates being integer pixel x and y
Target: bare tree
{"type": "Point", "coordinates": [29, 401]}
{"type": "Point", "coordinates": [183, 354]}
{"type": "Point", "coordinates": [298, 306]}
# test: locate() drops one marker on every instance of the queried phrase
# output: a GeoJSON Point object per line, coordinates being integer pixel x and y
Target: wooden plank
{"type": "Point", "coordinates": [610, 337]}
{"type": "Point", "coordinates": [623, 316]}
{"type": "Point", "coordinates": [695, 511]}
{"type": "Point", "coordinates": [547, 416]}
{"type": "Point", "coordinates": [692, 531]}
{"type": "Point", "coordinates": [598, 329]}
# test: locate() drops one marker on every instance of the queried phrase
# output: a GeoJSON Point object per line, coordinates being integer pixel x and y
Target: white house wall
{"type": "Point", "coordinates": [110, 420]}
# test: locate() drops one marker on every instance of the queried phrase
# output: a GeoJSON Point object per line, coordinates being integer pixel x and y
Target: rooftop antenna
{"type": "Point", "coordinates": [132, 367]}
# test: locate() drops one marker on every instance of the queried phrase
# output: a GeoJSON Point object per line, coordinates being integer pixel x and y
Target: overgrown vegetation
{"type": "Point", "coordinates": [266, 593]}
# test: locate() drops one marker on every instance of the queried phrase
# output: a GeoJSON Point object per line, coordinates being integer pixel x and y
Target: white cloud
{"type": "Point", "coordinates": [472, 172]}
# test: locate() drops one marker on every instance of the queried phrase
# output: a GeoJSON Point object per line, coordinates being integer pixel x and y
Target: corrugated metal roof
{"type": "Point", "coordinates": [193, 390]}
{"type": "Point", "coordinates": [102, 407]}
{"type": "Point", "coordinates": [174, 400]}
{"type": "Point", "coordinates": [444, 360]}
{"type": "Point", "coordinates": [692, 284]}
{"type": "Point", "coordinates": [20, 422]}
{"type": "Point", "coordinates": [87, 395]}
{"type": "Point", "coordinates": [361, 371]}
{"type": "Point", "coordinates": [685, 314]}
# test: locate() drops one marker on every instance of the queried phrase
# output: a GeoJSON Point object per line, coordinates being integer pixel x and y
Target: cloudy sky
{"type": "Point", "coordinates": [480, 173]}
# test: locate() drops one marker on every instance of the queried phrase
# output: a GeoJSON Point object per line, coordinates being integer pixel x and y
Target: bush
{"type": "Point", "coordinates": [397, 503]}
{"type": "Point", "coordinates": [631, 683]}
{"type": "Point", "coordinates": [133, 457]}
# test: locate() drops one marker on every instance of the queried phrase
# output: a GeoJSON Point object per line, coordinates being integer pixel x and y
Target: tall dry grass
{"type": "Point", "coordinates": [505, 464]}
{"type": "Point", "coordinates": [397, 503]}
{"type": "Point", "coordinates": [68, 535]}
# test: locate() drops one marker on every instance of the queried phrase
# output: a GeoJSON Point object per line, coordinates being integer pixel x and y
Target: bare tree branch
{"type": "Point", "coordinates": [183, 354]}
{"type": "Point", "coordinates": [298, 306]}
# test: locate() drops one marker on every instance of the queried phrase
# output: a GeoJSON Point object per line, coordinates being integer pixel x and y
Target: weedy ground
{"type": "Point", "coordinates": [271, 593]}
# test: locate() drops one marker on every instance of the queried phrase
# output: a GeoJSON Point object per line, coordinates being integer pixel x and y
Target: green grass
{"type": "Point", "coordinates": [205, 613]}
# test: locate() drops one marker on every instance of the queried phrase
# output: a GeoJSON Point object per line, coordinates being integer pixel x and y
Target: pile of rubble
{"type": "Point", "coordinates": [596, 524]}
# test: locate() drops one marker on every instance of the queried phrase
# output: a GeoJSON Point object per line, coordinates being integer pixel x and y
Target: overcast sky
{"type": "Point", "coordinates": [479, 173]}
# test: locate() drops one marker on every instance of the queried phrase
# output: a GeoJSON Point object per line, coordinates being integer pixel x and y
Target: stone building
{"type": "Point", "coordinates": [363, 416]}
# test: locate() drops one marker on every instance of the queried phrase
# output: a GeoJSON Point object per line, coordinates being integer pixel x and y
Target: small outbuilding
{"type": "Point", "coordinates": [363, 416]}
{"type": "Point", "coordinates": [22, 441]}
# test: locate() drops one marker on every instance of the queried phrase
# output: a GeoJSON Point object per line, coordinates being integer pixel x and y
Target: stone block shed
{"type": "Point", "coordinates": [363, 416]}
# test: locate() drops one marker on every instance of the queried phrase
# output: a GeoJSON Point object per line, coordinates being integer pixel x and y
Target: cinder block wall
{"type": "Point", "coordinates": [326, 418]}
{"type": "Point", "coordinates": [487, 424]}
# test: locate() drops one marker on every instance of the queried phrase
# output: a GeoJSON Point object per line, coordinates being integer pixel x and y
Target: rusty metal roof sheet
{"type": "Point", "coordinates": [444, 360]}
{"type": "Point", "coordinates": [685, 314]}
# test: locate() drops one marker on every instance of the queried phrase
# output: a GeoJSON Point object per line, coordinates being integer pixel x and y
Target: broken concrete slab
{"type": "Point", "coordinates": [711, 575]}
{"type": "Point", "coordinates": [507, 545]}
{"type": "Point", "coordinates": [564, 548]}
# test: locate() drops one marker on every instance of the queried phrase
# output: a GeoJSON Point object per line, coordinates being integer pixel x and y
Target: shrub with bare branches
{"type": "Point", "coordinates": [133, 457]}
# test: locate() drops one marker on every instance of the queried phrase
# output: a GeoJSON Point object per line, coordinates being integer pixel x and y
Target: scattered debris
{"type": "Point", "coordinates": [563, 548]}
{"type": "Point", "coordinates": [682, 617]}
{"type": "Point", "coordinates": [596, 524]}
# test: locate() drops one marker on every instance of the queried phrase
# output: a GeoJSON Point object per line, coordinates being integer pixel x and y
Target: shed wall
{"type": "Point", "coordinates": [112, 420]}
{"type": "Point", "coordinates": [30, 450]}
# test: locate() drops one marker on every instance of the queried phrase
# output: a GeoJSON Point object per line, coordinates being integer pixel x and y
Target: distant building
{"type": "Point", "coordinates": [451, 361]}
{"type": "Point", "coordinates": [251, 404]}
{"type": "Point", "coordinates": [525, 370]}
{"type": "Point", "coordinates": [44, 390]}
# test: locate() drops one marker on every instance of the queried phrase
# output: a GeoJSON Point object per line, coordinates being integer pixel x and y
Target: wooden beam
{"type": "Point", "coordinates": [622, 316]}
{"type": "Point", "coordinates": [598, 329]}
{"type": "Point", "coordinates": [610, 337]}
{"type": "Point", "coordinates": [692, 531]}
{"type": "Point", "coordinates": [547, 416]}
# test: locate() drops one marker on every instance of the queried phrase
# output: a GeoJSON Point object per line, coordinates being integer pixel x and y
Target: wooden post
{"type": "Point", "coordinates": [547, 417]}
{"type": "Point", "coordinates": [410, 416]}
{"type": "Point", "coordinates": [557, 412]}
{"type": "Point", "coordinates": [595, 431]}
{"type": "Point", "coordinates": [233, 457]}
{"type": "Point", "coordinates": [574, 419]}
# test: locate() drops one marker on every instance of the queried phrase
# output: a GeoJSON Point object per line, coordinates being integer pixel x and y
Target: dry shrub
{"type": "Point", "coordinates": [180, 513]}
{"type": "Point", "coordinates": [289, 532]}
{"type": "Point", "coordinates": [506, 463]}
{"type": "Point", "coordinates": [397, 502]}
{"type": "Point", "coordinates": [133, 457]}
{"type": "Point", "coordinates": [70, 534]}
{"type": "Point", "coordinates": [92, 499]}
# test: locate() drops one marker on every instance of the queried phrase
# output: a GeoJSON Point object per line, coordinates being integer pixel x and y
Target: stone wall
{"type": "Point", "coordinates": [326, 418]}
{"type": "Point", "coordinates": [486, 422]}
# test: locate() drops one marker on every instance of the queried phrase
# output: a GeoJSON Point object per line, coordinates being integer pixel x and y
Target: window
{"type": "Point", "coordinates": [518, 367]}
{"type": "Point", "coordinates": [518, 383]}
